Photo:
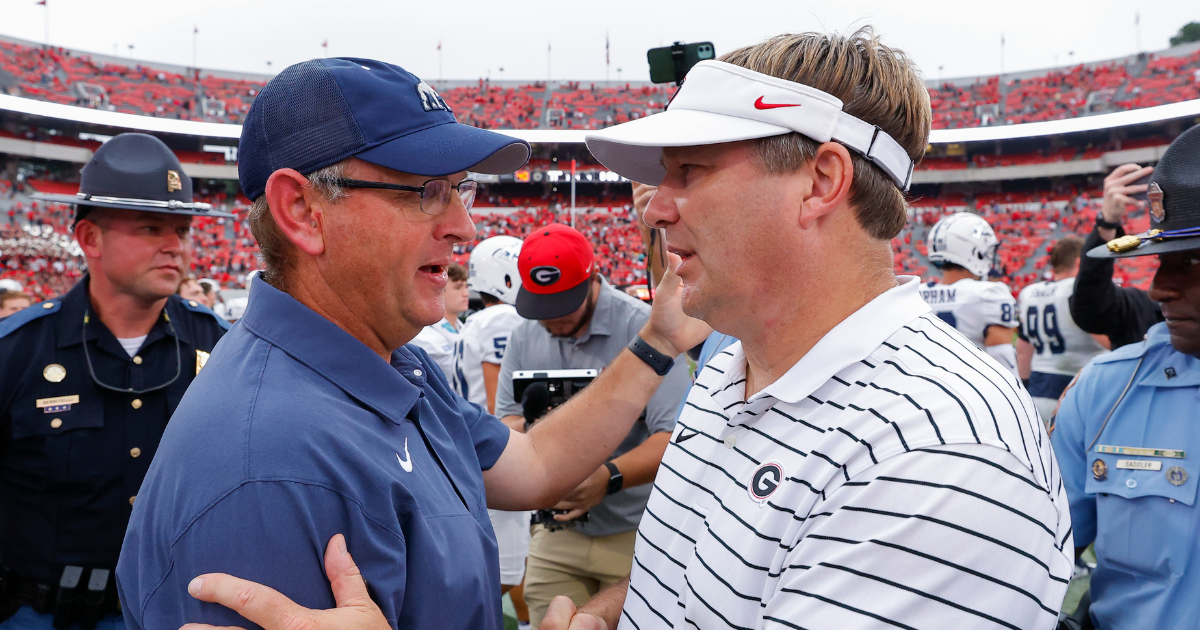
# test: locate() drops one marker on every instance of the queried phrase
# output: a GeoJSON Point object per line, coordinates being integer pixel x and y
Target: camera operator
{"type": "Point", "coordinates": [579, 321]}
{"type": "Point", "coordinates": [1098, 306]}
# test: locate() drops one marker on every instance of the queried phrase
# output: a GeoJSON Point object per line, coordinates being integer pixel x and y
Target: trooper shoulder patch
{"type": "Point", "coordinates": [22, 317]}
{"type": "Point", "coordinates": [196, 307]}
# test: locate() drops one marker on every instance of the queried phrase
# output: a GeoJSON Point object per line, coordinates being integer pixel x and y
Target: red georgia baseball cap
{"type": "Point", "coordinates": [555, 264]}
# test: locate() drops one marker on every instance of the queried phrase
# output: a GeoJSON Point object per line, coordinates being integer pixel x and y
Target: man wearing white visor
{"type": "Point", "coordinates": [853, 462]}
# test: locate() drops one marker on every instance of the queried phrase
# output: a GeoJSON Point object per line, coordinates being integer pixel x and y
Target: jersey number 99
{"type": "Point", "coordinates": [1046, 336]}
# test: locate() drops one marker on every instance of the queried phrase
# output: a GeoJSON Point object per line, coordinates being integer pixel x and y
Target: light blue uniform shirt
{"type": "Point", "coordinates": [1145, 523]}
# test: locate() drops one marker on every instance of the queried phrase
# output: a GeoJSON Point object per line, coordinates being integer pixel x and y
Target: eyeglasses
{"type": "Point", "coordinates": [435, 194]}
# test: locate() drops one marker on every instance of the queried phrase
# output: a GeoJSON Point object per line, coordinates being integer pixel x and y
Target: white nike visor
{"type": "Point", "coordinates": [720, 102]}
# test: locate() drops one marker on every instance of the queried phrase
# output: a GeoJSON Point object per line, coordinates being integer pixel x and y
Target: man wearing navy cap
{"type": "Point", "coordinates": [88, 381]}
{"type": "Point", "coordinates": [316, 419]}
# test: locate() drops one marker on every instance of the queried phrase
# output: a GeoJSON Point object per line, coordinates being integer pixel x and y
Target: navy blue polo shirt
{"type": "Point", "coordinates": [294, 432]}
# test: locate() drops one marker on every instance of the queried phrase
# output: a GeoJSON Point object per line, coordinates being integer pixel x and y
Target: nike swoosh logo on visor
{"type": "Point", "coordinates": [759, 104]}
{"type": "Point", "coordinates": [683, 438]}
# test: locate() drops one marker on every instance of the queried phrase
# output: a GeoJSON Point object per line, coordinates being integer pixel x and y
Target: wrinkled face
{"type": "Point", "coordinates": [388, 255]}
{"type": "Point", "coordinates": [143, 254]}
{"type": "Point", "coordinates": [12, 305]}
{"type": "Point", "coordinates": [727, 219]}
{"type": "Point", "coordinates": [457, 297]}
{"type": "Point", "coordinates": [190, 290]}
{"type": "Point", "coordinates": [570, 325]}
{"type": "Point", "coordinates": [1177, 287]}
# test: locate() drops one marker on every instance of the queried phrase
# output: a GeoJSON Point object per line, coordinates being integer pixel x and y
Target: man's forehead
{"type": "Point", "coordinates": [362, 169]}
{"type": "Point", "coordinates": [706, 151]}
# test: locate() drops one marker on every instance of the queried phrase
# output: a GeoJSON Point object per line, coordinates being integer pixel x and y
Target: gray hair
{"type": "Point", "coordinates": [274, 248]}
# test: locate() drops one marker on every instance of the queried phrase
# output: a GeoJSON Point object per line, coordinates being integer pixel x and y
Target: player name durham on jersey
{"type": "Point", "coordinates": [939, 295]}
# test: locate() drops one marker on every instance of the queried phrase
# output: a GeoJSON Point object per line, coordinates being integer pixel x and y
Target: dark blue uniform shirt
{"type": "Point", "coordinates": [295, 432]}
{"type": "Point", "coordinates": [69, 471]}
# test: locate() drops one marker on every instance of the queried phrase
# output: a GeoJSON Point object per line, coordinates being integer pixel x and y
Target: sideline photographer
{"type": "Point", "coordinates": [578, 320]}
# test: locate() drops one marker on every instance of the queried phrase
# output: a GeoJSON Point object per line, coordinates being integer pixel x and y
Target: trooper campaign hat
{"type": "Point", "coordinates": [1174, 194]}
{"type": "Point", "coordinates": [135, 171]}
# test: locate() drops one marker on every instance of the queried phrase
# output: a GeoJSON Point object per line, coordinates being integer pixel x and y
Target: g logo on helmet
{"type": "Point", "coordinates": [545, 275]}
{"type": "Point", "coordinates": [765, 482]}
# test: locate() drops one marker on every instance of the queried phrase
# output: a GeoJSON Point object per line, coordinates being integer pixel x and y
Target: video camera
{"type": "Point", "coordinates": [540, 391]}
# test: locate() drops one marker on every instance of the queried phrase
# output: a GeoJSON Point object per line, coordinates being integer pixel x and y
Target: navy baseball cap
{"type": "Point", "coordinates": [320, 112]}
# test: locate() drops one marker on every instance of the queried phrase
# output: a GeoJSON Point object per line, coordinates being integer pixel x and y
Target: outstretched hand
{"type": "Point", "coordinates": [272, 610]}
{"type": "Point", "coordinates": [561, 615]}
{"type": "Point", "coordinates": [669, 329]}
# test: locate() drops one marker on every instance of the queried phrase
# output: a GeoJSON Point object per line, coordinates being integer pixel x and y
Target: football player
{"type": "Point", "coordinates": [963, 247]}
{"type": "Point", "coordinates": [1052, 348]}
{"type": "Point", "coordinates": [492, 271]}
{"type": "Point", "coordinates": [440, 340]}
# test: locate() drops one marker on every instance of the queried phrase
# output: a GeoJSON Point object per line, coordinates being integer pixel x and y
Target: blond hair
{"type": "Point", "coordinates": [876, 83]}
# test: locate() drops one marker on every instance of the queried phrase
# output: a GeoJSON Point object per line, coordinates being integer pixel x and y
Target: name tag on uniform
{"type": "Point", "coordinates": [1141, 452]}
{"type": "Point", "coordinates": [57, 404]}
{"type": "Point", "coordinates": [1139, 464]}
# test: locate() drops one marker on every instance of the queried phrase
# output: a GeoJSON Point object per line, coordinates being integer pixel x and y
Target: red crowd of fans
{"type": "Point", "coordinates": [60, 75]}
{"type": "Point", "coordinates": [36, 248]}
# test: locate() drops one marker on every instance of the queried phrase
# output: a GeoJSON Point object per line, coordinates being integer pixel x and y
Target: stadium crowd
{"type": "Point", "coordinates": [63, 76]}
{"type": "Point", "coordinates": [225, 251]}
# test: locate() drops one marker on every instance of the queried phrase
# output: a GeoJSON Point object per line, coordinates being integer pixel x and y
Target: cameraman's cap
{"type": "Point", "coordinates": [721, 102]}
{"type": "Point", "coordinates": [135, 171]}
{"type": "Point", "coordinates": [1174, 195]}
{"type": "Point", "coordinates": [555, 265]}
{"type": "Point", "coordinates": [320, 112]}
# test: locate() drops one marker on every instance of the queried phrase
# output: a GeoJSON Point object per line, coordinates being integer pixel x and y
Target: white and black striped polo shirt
{"type": "Point", "coordinates": [896, 476]}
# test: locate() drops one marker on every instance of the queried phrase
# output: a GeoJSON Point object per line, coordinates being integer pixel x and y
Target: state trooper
{"type": "Point", "coordinates": [88, 381]}
{"type": "Point", "coordinates": [1126, 434]}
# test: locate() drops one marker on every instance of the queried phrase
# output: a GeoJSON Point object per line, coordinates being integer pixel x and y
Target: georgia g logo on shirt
{"type": "Point", "coordinates": [545, 275]}
{"type": "Point", "coordinates": [765, 482]}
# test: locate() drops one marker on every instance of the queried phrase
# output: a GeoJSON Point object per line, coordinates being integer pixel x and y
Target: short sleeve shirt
{"type": "Point", "coordinates": [484, 339]}
{"type": "Point", "coordinates": [438, 341]}
{"type": "Point", "coordinates": [294, 432]}
{"type": "Point", "coordinates": [617, 318]}
{"type": "Point", "coordinates": [972, 306]}
{"type": "Point", "coordinates": [895, 476]}
{"type": "Point", "coordinates": [1133, 481]}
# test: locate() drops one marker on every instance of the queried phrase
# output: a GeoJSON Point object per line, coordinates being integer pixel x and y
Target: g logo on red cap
{"type": "Point", "coordinates": [545, 275]}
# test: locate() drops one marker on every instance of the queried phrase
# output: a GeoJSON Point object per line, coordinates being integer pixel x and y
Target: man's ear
{"type": "Point", "coordinates": [832, 172]}
{"type": "Point", "coordinates": [295, 212]}
{"type": "Point", "coordinates": [90, 238]}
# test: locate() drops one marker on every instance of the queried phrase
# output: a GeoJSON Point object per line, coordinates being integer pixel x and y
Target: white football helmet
{"type": "Point", "coordinates": [966, 240]}
{"type": "Point", "coordinates": [492, 268]}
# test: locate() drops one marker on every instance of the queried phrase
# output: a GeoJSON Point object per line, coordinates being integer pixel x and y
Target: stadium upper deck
{"type": "Point", "coordinates": [147, 88]}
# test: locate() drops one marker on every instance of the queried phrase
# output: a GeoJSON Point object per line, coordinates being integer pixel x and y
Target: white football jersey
{"type": "Point", "coordinates": [970, 306]}
{"type": "Point", "coordinates": [483, 339]}
{"type": "Point", "coordinates": [1060, 346]}
{"type": "Point", "coordinates": [439, 340]}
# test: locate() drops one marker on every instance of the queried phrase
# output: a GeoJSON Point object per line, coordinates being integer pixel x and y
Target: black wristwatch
{"type": "Point", "coordinates": [615, 479]}
{"type": "Point", "coordinates": [660, 362]}
{"type": "Point", "coordinates": [1104, 224]}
